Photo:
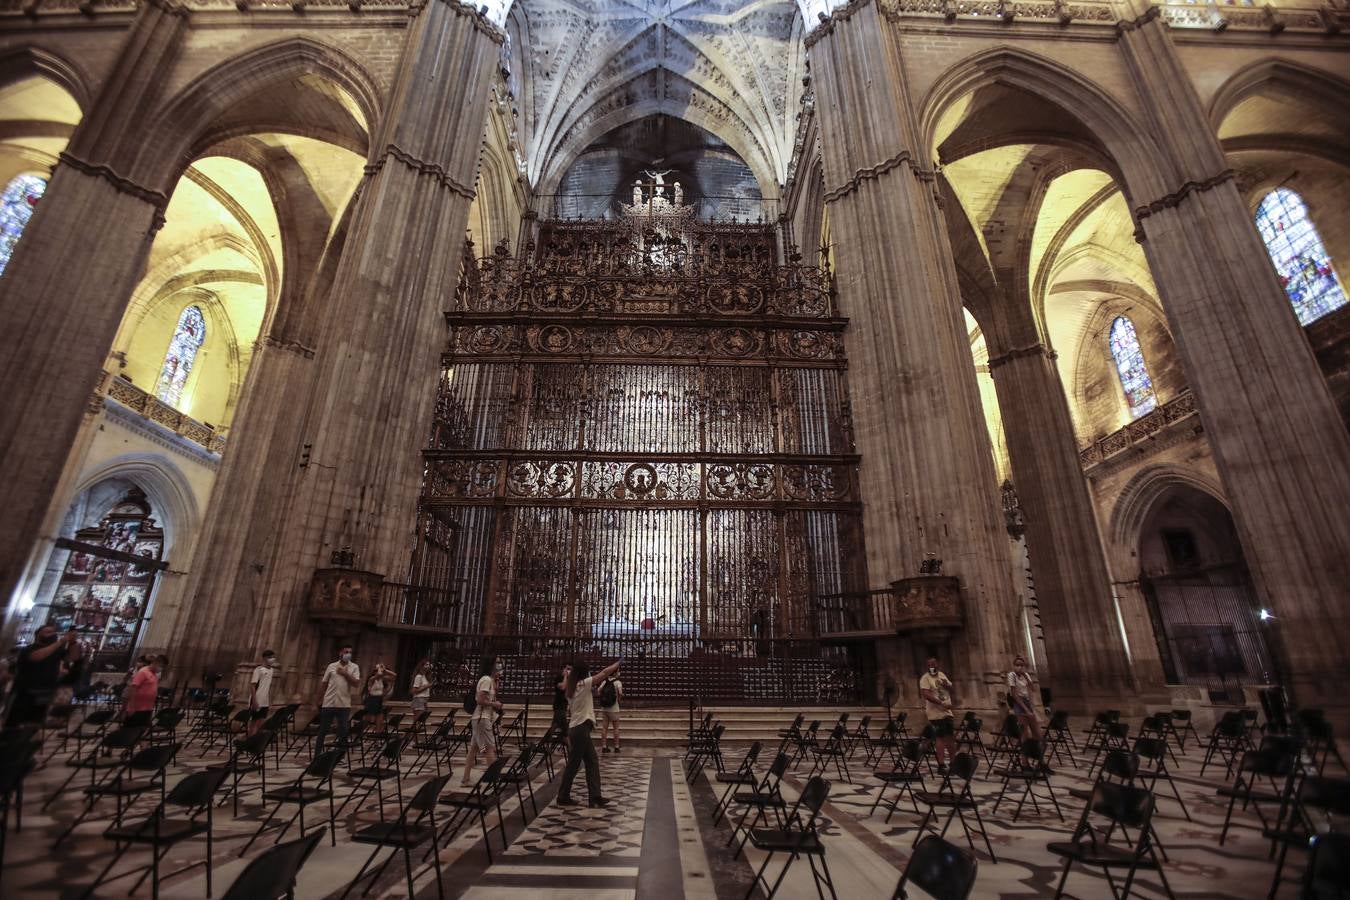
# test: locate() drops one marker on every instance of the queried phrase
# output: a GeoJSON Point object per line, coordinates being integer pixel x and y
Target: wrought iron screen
{"type": "Point", "coordinates": [641, 439]}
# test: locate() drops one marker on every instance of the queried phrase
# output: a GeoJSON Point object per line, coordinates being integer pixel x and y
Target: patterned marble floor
{"type": "Point", "coordinates": [654, 841]}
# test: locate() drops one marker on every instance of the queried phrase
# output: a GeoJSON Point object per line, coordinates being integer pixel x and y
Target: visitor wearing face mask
{"type": "Point", "coordinates": [144, 686]}
{"type": "Point", "coordinates": [335, 707]}
{"type": "Point", "coordinates": [37, 674]}
{"type": "Point", "coordinates": [1021, 699]}
{"type": "Point", "coordinates": [486, 707]}
{"type": "Point", "coordinates": [936, 690]}
{"type": "Point", "coordinates": [260, 690]}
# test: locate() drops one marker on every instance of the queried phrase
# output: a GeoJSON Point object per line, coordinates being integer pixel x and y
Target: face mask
{"type": "Point", "coordinates": [932, 670]}
{"type": "Point", "coordinates": [274, 662]}
{"type": "Point", "coordinates": [346, 657]}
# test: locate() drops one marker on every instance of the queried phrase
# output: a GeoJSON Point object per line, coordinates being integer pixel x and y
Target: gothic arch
{"type": "Point", "coordinates": [28, 62]}
{"type": "Point", "coordinates": [190, 123]}
{"type": "Point", "coordinates": [1285, 79]}
{"type": "Point", "coordinates": [1143, 491]}
{"type": "Point", "coordinates": [1120, 138]}
{"type": "Point", "coordinates": [166, 487]}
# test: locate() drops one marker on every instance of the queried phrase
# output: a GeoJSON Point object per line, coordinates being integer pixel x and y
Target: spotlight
{"type": "Point", "coordinates": [1266, 615]}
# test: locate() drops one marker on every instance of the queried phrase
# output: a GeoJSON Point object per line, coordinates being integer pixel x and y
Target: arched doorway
{"type": "Point", "coordinates": [1205, 611]}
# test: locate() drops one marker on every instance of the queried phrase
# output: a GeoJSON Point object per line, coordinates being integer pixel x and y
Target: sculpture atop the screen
{"type": "Point", "coordinates": [655, 198]}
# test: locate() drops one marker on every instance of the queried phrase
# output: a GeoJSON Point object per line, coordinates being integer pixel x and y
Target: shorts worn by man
{"type": "Point", "coordinates": [939, 714]}
{"type": "Point", "coordinates": [483, 713]}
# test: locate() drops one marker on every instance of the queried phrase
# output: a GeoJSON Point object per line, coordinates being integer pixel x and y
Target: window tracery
{"type": "Point", "coordinates": [1130, 366]}
{"type": "Point", "coordinates": [1301, 259]}
{"type": "Point", "coordinates": [17, 202]}
{"type": "Point", "coordinates": [183, 346]}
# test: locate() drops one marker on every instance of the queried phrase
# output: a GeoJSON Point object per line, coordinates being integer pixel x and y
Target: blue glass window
{"type": "Point", "coordinates": [183, 346]}
{"type": "Point", "coordinates": [16, 208]}
{"type": "Point", "coordinates": [1300, 258]}
{"type": "Point", "coordinates": [1130, 365]}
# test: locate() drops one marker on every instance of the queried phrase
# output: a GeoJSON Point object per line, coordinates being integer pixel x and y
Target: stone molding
{"type": "Point", "coordinates": [904, 157]}
{"type": "Point", "coordinates": [295, 347]}
{"type": "Point", "coordinates": [480, 21]}
{"type": "Point", "coordinates": [159, 435]}
{"type": "Point", "coordinates": [1173, 200]}
{"type": "Point", "coordinates": [839, 14]}
{"type": "Point", "coordinates": [1147, 434]}
{"type": "Point", "coordinates": [421, 168]}
{"type": "Point", "coordinates": [1124, 25]}
{"type": "Point", "coordinates": [157, 199]}
{"type": "Point", "coordinates": [1021, 353]}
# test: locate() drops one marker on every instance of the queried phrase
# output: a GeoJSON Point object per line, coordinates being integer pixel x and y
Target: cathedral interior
{"type": "Point", "coordinates": [769, 349]}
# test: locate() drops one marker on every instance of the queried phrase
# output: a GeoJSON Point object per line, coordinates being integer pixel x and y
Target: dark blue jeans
{"type": "Point", "coordinates": [327, 716]}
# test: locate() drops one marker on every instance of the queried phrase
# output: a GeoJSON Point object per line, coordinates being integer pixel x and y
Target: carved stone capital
{"type": "Point", "coordinates": [840, 14]}
{"type": "Point", "coordinates": [904, 157]}
{"type": "Point", "coordinates": [1037, 349]}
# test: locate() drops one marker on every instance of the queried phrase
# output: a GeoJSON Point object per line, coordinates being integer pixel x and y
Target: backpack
{"type": "Point", "coordinates": [471, 700]}
{"type": "Point", "coordinates": [609, 694]}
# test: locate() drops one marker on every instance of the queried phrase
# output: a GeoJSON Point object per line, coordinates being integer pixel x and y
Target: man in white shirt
{"type": "Point", "coordinates": [336, 704]}
{"type": "Point", "coordinates": [580, 722]}
{"type": "Point", "coordinates": [486, 706]}
{"type": "Point", "coordinates": [260, 692]}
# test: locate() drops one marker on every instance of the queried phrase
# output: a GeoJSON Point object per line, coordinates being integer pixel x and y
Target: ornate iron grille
{"type": "Point", "coordinates": [642, 453]}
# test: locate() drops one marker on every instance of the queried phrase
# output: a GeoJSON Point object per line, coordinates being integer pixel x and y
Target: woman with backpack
{"type": "Point", "coordinates": [580, 723]}
{"type": "Point", "coordinates": [484, 706]}
{"type": "Point", "coordinates": [611, 692]}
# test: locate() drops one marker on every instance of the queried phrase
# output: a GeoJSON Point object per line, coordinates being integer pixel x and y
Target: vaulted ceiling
{"type": "Point", "coordinates": [581, 68]}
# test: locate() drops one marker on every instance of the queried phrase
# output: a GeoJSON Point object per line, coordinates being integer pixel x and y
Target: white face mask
{"type": "Point", "coordinates": [932, 670]}
{"type": "Point", "coordinates": [346, 657]}
{"type": "Point", "coordinates": [274, 662]}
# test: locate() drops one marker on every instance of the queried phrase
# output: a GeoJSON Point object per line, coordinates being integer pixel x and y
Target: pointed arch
{"type": "Point", "coordinates": [1283, 78]}
{"type": "Point", "coordinates": [27, 62]}
{"type": "Point", "coordinates": [1141, 492]}
{"type": "Point", "coordinates": [1120, 138]}
{"type": "Point", "coordinates": [199, 114]}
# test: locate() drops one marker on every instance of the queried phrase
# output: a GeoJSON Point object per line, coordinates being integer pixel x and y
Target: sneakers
{"type": "Point", "coordinates": [599, 802]}
{"type": "Point", "coordinates": [565, 801]}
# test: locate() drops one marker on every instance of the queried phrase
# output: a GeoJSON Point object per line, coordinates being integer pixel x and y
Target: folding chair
{"type": "Point", "coordinates": [1124, 808]}
{"type": "Point", "coordinates": [273, 874]}
{"type": "Point", "coordinates": [703, 750]}
{"type": "Point", "coordinates": [804, 741]}
{"type": "Point", "coordinates": [1183, 726]}
{"type": "Point", "coordinates": [108, 756]}
{"type": "Point", "coordinates": [942, 870]}
{"type": "Point", "coordinates": [485, 794]}
{"type": "Point", "coordinates": [194, 796]}
{"type": "Point", "coordinates": [760, 799]}
{"type": "Point", "coordinates": [303, 737]}
{"type": "Point", "coordinates": [405, 835]}
{"type": "Point", "coordinates": [958, 799]}
{"type": "Point", "coordinates": [970, 739]}
{"type": "Point", "coordinates": [1318, 733]}
{"type": "Point", "coordinates": [797, 837]}
{"type": "Point", "coordinates": [744, 776]}
{"type": "Point", "coordinates": [248, 756]}
{"type": "Point", "coordinates": [835, 749]}
{"type": "Point", "coordinates": [1152, 753]}
{"type": "Point", "coordinates": [906, 772]}
{"type": "Point", "coordinates": [1008, 742]}
{"type": "Point", "coordinates": [150, 763]}
{"type": "Point", "coordinates": [514, 729]}
{"type": "Point", "coordinates": [1317, 801]}
{"type": "Point", "coordinates": [1156, 726]}
{"type": "Point", "coordinates": [17, 758]}
{"type": "Point", "coordinates": [234, 727]}
{"type": "Point", "coordinates": [517, 775]}
{"type": "Point", "coordinates": [1276, 761]}
{"type": "Point", "coordinates": [884, 744]}
{"type": "Point", "coordinates": [320, 769]}
{"type": "Point", "coordinates": [1099, 723]}
{"type": "Point", "coordinates": [385, 766]}
{"type": "Point", "coordinates": [1116, 736]}
{"type": "Point", "coordinates": [91, 728]}
{"type": "Point", "coordinates": [1059, 738]}
{"type": "Point", "coordinates": [553, 742]}
{"type": "Point", "coordinates": [164, 728]}
{"type": "Point", "coordinates": [429, 747]}
{"type": "Point", "coordinates": [861, 736]}
{"type": "Point", "coordinates": [1029, 776]}
{"type": "Point", "coordinates": [1227, 741]}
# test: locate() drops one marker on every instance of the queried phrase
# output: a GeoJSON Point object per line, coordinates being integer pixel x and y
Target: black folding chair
{"type": "Point", "coordinates": [1275, 764]}
{"type": "Point", "coordinates": [515, 729]}
{"type": "Point", "coordinates": [248, 756]}
{"type": "Point", "coordinates": [1008, 742]}
{"type": "Point", "coordinates": [703, 750]}
{"type": "Point", "coordinates": [320, 770]}
{"type": "Point", "coordinates": [884, 744]}
{"type": "Point", "coordinates": [18, 756]}
{"type": "Point", "coordinates": [1153, 753]}
{"type": "Point", "coordinates": [108, 756]}
{"type": "Point", "coordinates": [430, 747]}
{"type": "Point", "coordinates": [861, 736]}
{"type": "Point", "coordinates": [1031, 771]}
{"type": "Point", "coordinates": [969, 738]}
{"type": "Point", "coordinates": [835, 749]}
{"type": "Point", "coordinates": [942, 870]}
{"type": "Point", "coordinates": [1115, 737]}
{"type": "Point", "coordinates": [92, 727]}
{"type": "Point", "coordinates": [765, 797]}
{"type": "Point", "coordinates": [907, 772]}
{"type": "Point", "coordinates": [1227, 742]}
{"type": "Point", "coordinates": [954, 793]}
{"type": "Point", "coordinates": [273, 874]}
{"type": "Point", "coordinates": [483, 796]}
{"type": "Point", "coordinates": [125, 785]}
{"type": "Point", "coordinates": [1317, 801]}
{"type": "Point", "coordinates": [744, 776]}
{"type": "Point", "coordinates": [194, 797]}
{"type": "Point", "coordinates": [797, 837]}
{"type": "Point", "coordinates": [386, 766]}
{"type": "Point", "coordinates": [405, 835]}
{"type": "Point", "coordinates": [517, 775]}
{"type": "Point", "coordinates": [1124, 809]}
{"type": "Point", "coordinates": [804, 742]}
{"type": "Point", "coordinates": [1183, 726]}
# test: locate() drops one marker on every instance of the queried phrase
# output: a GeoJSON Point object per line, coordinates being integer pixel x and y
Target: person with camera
{"type": "Point", "coordinates": [580, 723]}
{"type": "Point", "coordinates": [611, 692]}
{"type": "Point", "coordinates": [335, 706]}
{"type": "Point", "coordinates": [377, 685]}
{"type": "Point", "coordinates": [38, 673]}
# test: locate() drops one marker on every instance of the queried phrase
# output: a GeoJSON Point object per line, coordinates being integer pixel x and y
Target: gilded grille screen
{"type": "Point", "coordinates": [640, 447]}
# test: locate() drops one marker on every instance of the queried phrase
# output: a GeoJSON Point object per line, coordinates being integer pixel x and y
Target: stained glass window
{"type": "Point", "coordinates": [183, 346]}
{"type": "Point", "coordinates": [1129, 357]}
{"type": "Point", "coordinates": [16, 208]}
{"type": "Point", "coordinates": [1300, 258]}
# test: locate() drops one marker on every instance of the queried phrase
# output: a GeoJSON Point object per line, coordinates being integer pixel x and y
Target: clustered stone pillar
{"type": "Point", "coordinates": [354, 481]}
{"type": "Point", "coordinates": [66, 286]}
{"type": "Point", "coordinates": [1279, 442]}
{"type": "Point", "coordinates": [1090, 669]}
{"type": "Point", "coordinates": [928, 482]}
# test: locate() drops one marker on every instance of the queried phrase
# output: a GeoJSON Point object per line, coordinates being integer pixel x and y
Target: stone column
{"type": "Point", "coordinates": [1279, 443]}
{"type": "Point", "coordinates": [1089, 666]}
{"type": "Point", "coordinates": [65, 290]}
{"type": "Point", "coordinates": [928, 481]}
{"type": "Point", "coordinates": [353, 480]}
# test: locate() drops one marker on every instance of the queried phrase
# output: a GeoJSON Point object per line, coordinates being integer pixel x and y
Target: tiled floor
{"type": "Point", "coordinates": [655, 841]}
